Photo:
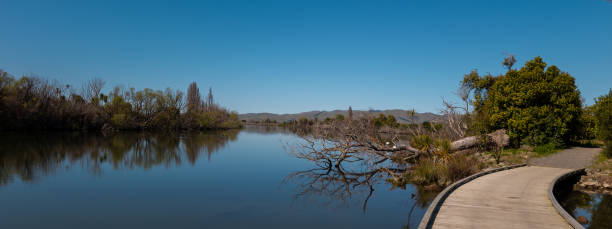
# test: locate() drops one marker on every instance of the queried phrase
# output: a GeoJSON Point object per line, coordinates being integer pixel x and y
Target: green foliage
{"type": "Point", "coordinates": [546, 149]}
{"type": "Point", "coordinates": [603, 113]}
{"type": "Point", "coordinates": [424, 143]}
{"type": "Point", "coordinates": [383, 120]}
{"type": "Point", "coordinates": [217, 119]}
{"type": "Point", "coordinates": [340, 117]}
{"type": "Point", "coordinates": [536, 104]}
{"type": "Point", "coordinates": [588, 124]}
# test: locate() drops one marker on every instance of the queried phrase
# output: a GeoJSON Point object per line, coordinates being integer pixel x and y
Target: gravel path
{"type": "Point", "coordinates": [573, 158]}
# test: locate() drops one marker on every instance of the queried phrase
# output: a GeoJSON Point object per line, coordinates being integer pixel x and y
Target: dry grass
{"type": "Point", "coordinates": [444, 172]}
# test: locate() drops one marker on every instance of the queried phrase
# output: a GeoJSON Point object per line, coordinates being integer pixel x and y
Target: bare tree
{"type": "Point", "coordinates": [194, 102]}
{"type": "Point", "coordinates": [509, 61]}
{"type": "Point", "coordinates": [209, 100]}
{"type": "Point", "coordinates": [360, 141]}
{"type": "Point", "coordinates": [92, 89]}
{"type": "Point", "coordinates": [455, 119]}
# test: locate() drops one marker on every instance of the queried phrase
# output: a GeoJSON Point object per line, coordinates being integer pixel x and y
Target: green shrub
{"type": "Point", "coordinates": [536, 104]}
{"type": "Point", "coordinates": [603, 112]}
{"type": "Point", "coordinates": [588, 124]}
{"type": "Point", "coordinates": [383, 120]}
{"type": "Point", "coordinates": [422, 142]}
{"type": "Point", "coordinates": [546, 149]}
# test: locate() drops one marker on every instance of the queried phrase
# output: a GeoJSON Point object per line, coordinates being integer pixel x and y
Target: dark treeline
{"type": "Point", "coordinates": [34, 155]}
{"type": "Point", "coordinates": [35, 103]}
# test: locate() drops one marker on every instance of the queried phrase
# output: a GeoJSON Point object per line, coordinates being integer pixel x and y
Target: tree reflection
{"type": "Point", "coordinates": [350, 162]}
{"type": "Point", "coordinates": [596, 206]}
{"type": "Point", "coordinates": [350, 181]}
{"type": "Point", "coordinates": [30, 156]}
{"type": "Point", "coordinates": [601, 215]}
{"type": "Point", "coordinates": [335, 184]}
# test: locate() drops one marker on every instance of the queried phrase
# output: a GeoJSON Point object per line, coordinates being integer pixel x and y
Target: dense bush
{"type": "Point", "coordinates": [383, 120]}
{"type": "Point", "coordinates": [546, 149]}
{"type": "Point", "coordinates": [603, 112]}
{"type": "Point", "coordinates": [536, 104]}
{"type": "Point", "coordinates": [588, 124]}
{"type": "Point", "coordinates": [34, 103]}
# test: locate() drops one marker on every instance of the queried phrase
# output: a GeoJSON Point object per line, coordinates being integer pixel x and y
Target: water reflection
{"type": "Point", "coordinates": [29, 156]}
{"type": "Point", "coordinates": [597, 208]}
{"type": "Point", "coordinates": [239, 188]}
{"type": "Point", "coordinates": [332, 184]}
{"type": "Point", "coordinates": [333, 179]}
{"type": "Point", "coordinates": [267, 130]}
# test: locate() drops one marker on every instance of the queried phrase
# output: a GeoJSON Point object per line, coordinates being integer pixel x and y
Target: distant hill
{"type": "Point", "coordinates": [400, 115]}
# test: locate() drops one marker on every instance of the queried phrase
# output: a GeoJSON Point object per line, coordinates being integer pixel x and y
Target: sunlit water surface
{"type": "Point", "coordinates": [224, 179]}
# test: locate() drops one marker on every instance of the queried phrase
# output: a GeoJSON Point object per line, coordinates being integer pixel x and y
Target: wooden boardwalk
{"type": "Point", "coordinates": [515, 198]}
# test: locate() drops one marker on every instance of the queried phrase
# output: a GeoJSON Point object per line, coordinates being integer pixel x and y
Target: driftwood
{"type": "Point", "coordinates": [360, 141]}
{"type": "Point", "coordinates": [333, 148]}
{"type": "Point", "coordinates": [499, 138]}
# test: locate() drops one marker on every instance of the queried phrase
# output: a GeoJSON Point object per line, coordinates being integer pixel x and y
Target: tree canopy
{"type": "Point", "coordinates": [603, 114]}
{"type": "Point", "coordinates": [35, 103]}
{"type": "Point", "coordinates": [536, 104]}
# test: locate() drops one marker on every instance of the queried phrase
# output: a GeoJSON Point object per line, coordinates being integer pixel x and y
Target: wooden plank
{"type": "Point", "coordinates": [515, 198]}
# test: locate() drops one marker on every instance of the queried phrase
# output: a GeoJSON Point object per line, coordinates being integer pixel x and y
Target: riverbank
{"type": "Point", "coordinates": [598, 177]}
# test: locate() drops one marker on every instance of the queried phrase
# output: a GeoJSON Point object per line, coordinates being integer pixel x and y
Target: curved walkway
{"type": "Point", "coordinates": [515, 198]}
{"type": "Point", "coordinates": [574, 158]}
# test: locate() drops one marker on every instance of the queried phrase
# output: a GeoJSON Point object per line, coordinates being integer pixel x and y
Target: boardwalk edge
{"type": "Point", "coordinates": [568, 218]}
{"type": "Point", "coordinates": [434, 207]}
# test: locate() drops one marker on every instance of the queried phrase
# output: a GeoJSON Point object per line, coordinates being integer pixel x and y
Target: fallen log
{"type": "Point", "coordinates": [498, 138]}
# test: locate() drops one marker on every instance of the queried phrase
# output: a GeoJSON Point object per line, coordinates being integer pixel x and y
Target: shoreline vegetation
{"type": "Point", "coordinates": [500, 120]}
{"type": "Point", "coordinates": [32, 103]}
{"type": "Point", "coordinates": [537, 107]}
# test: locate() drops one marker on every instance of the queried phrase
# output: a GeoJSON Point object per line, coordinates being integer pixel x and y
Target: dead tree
{"type": "Point", "coordinates": [499, 139]}
{"type": "Point", "coordinates": [92, 89]}
{"type": "Point", "coordinates": [360, 141]}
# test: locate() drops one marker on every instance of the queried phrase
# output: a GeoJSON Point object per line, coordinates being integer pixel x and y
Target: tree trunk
{"type": "Point", "coordinates": [498, 138]}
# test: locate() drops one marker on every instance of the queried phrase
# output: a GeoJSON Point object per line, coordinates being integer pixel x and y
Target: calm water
{"type": "Point", "coordinates": [230, 179]}
{"type": "Point", "coordinates": [597, 208]}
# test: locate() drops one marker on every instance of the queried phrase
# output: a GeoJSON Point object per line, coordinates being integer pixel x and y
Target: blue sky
{"type": "Point", "coordinates": [294, 56]}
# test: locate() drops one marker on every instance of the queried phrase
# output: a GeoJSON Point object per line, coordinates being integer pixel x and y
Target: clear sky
{"type": "Point", "coordinates": [293, 56]}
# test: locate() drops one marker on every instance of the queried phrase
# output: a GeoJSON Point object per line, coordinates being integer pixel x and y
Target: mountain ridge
{"type": "Point", "coordinates": [399, 114]}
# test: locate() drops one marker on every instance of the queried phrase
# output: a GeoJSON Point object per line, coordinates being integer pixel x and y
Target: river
{"type": "Point", "coordinates": [217, 179]}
